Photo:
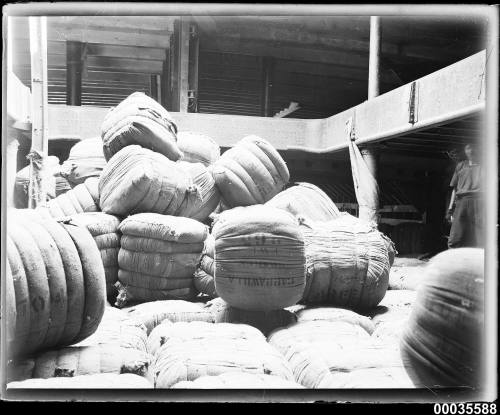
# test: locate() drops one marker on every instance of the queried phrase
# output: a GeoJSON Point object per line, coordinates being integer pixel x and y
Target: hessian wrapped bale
{"type": "Point", "coordinates": [198, 148]}
{"type": "Point", "coordinates": [180, 352]}
{"type": "Point", "coordinates": [250, 173]}
{"type": "Point", "coordinates": [306, 200]}
{"type": "Point", "coordinates": [443, 342]}
{"type": "Point", "coordinates": [139, 119]}
{"type": "Point", "coordinates": [139, 180]}
{"type": "Point", "coordinates": [158, 257]}
{"type": "Point", "coordinates": [86, 159]}
{"type": "Point", "coordinates": [58, 279]}
{"type": "Point", "coordinates": [348, 263]}
{"type": "Point", "coordinates": [259, 258]}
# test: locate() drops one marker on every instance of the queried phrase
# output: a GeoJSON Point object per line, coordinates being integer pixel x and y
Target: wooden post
{"type": "Point", "coordinates": [179, 66]}
{"type": "Point", "coordinates": [267, 84]}
{"type": "Point", "coordinates": [370, 154]}
{"type": "Point", "coordinates": [74, 68]}
{"type": "Point", "coordinates": [153, 91]}
{"type": "Point", "coordinates": [39, 109]}
{"type": "Point", "coordinates": [194, 53]}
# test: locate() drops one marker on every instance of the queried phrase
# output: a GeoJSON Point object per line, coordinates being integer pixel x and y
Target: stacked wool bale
{"type": "Point", "coordinates": [197, 148]}
{"type": "Point", "coordinates": [81, 360]}
{"type": "Point", "coordinates": [187, 351]}
{"type": "Point", "coordinates": [137, 180]}
{"type": "Point", "coordinates": [204, 275]}
{"type": "Point", "coordinates": [206, 195]}
{"type": "Point", "coordinates": [96, 381]}
{"type": "Point", "coordinates": [139, 119]}
{"type": "Point", "coordinates": [153, 313]}
{"type": "Point", "coordinates": [80, 199]}
{"type": "Point", "coordinates": [334, 314]}
{"type": "Point", "coordinates": [231, 380]}
{"type": "Point", "coordinates": [120, 329]}
{"type": "Point", "coordinates": [339, 354]}
{"type": "Point", "coordinates": [306, 200]}
{"type": "Point", "coordinates": [158, 257]}
{"type": "Point", "coordinates": [104, 230]}
{"type": "Point", "coordinates": [250, 173]}
{"type": "Point", "coordinates": [265, 321]}
{"type": "Point", "coordinates": [86, 159]}
{"type": "Point", "coordinates": [348, 263]}
{"type": "Point", "coordinates": [444, 338]}
{"type": "Point", "coordinates": [49, 173]}
{"type": "Point", "coordinates": [58, 294]}
{"type": "Point", "coordinates": [259, 258]}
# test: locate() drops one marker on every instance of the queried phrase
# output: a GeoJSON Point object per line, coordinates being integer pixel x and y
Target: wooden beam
{"type": "Point", "coordinates": [179, 58]}
{"type": "Point", "coordinates": [448, 95]}
{"type": "Point", "coordinates": [283, 51]}
{"type": "Point", "coordinates": [340, 41]}
{"type": "Point", "coordinates": [39, 111]}
{"type": "Point", "coordinates": [74, 68]}
{"type": "Point", "coordinates": [103, 33]}
{"type": "Point", "coordinates": [267, 85]}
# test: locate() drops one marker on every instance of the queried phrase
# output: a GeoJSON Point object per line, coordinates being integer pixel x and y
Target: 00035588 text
{"type": "Point", "coordinates": [465, 408]}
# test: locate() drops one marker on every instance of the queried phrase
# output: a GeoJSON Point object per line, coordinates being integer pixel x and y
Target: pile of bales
{"type": "Point", "coordinates": [163, 263]}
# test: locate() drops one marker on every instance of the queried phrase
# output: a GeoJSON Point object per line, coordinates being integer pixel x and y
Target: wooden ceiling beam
{"type": "Point", "coordinates": [281, 51]}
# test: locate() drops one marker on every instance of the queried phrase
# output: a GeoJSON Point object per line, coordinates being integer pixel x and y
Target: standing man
{"type": "Point", "coordinates": [466, 204]}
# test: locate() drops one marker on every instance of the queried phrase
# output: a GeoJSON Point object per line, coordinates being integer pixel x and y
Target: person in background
{"type": "Point", "coordinates": [465, 211]}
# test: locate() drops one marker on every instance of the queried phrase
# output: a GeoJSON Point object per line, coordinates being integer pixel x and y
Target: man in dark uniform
{"type": "Point", "coordinates": [466, 204]}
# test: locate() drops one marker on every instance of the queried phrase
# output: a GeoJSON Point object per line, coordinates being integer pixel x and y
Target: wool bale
{"type": "Point", "coordinates": [335, 314]}
{"type": "Point", "coordinates": [198, 148]}
{"type": "Point", "coordinates": [119, 329]}
{"type": "Point", "coordinates": [97, 381]}
{"type": "Point", "coordinates": [78, 361]}
{"type": "Point", "coordinates": [155, 269]}
{"type": "Point", "coordinates": [250, 173]}
{"type": "Point", "coordinates": [204, 280]}
{"type": "Point", "coordinates": [306, 200]}
{"type": "Point", "coordinates": [187, 351]}
{"type": "Point", "coordinates": [444, 338]}
{"type": "Point", "coordinates": [86, 159]}
{"type": "Point", "coordinates": [156, 312]}
{"type": "Point", "coordinates": [265, 321]}
{"type": "Point", "coordinates": [74, 201]}
{"type": "Point", "coordinates": [59, 282]}
{"type": "Point", "coordinates": [206, 196]}
{"type": "Point", "coordinates": [104, 229]}
{"type": "Point", "coordinates": [139, 180]}
{"type": "Point", "coordinates": [204, 283]}
{"type": "Point", "coordinates": [347, 263]}
{"type": "Point", "coordinates": [92, 185]}
{"type": "Point", "coordinates": [260, 260]}
{"type": "Point", "coordinates": [334, 354]}
{"type": "Point", "coordinates": [139, 119]}
{"type": "Point", "coordinates": [231, 380]}
{"type": "Point", "coordinates": [98, 223]}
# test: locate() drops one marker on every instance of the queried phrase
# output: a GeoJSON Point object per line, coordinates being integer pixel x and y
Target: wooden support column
{"type": "Point", "coordinates": [267, 84]}
{"type": "Point", "coordinates": [39, 109]}
{"type": "Point", "coordinates": [194, 53]}
{"type": "Point", "coordinates": [153, 90]}
{"type": "Point", "coordinates": [74, 69]}
{"type": "Point", "coordinates": [370, 153]}
{"type": "Point", "coordinates": [179, 66]}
